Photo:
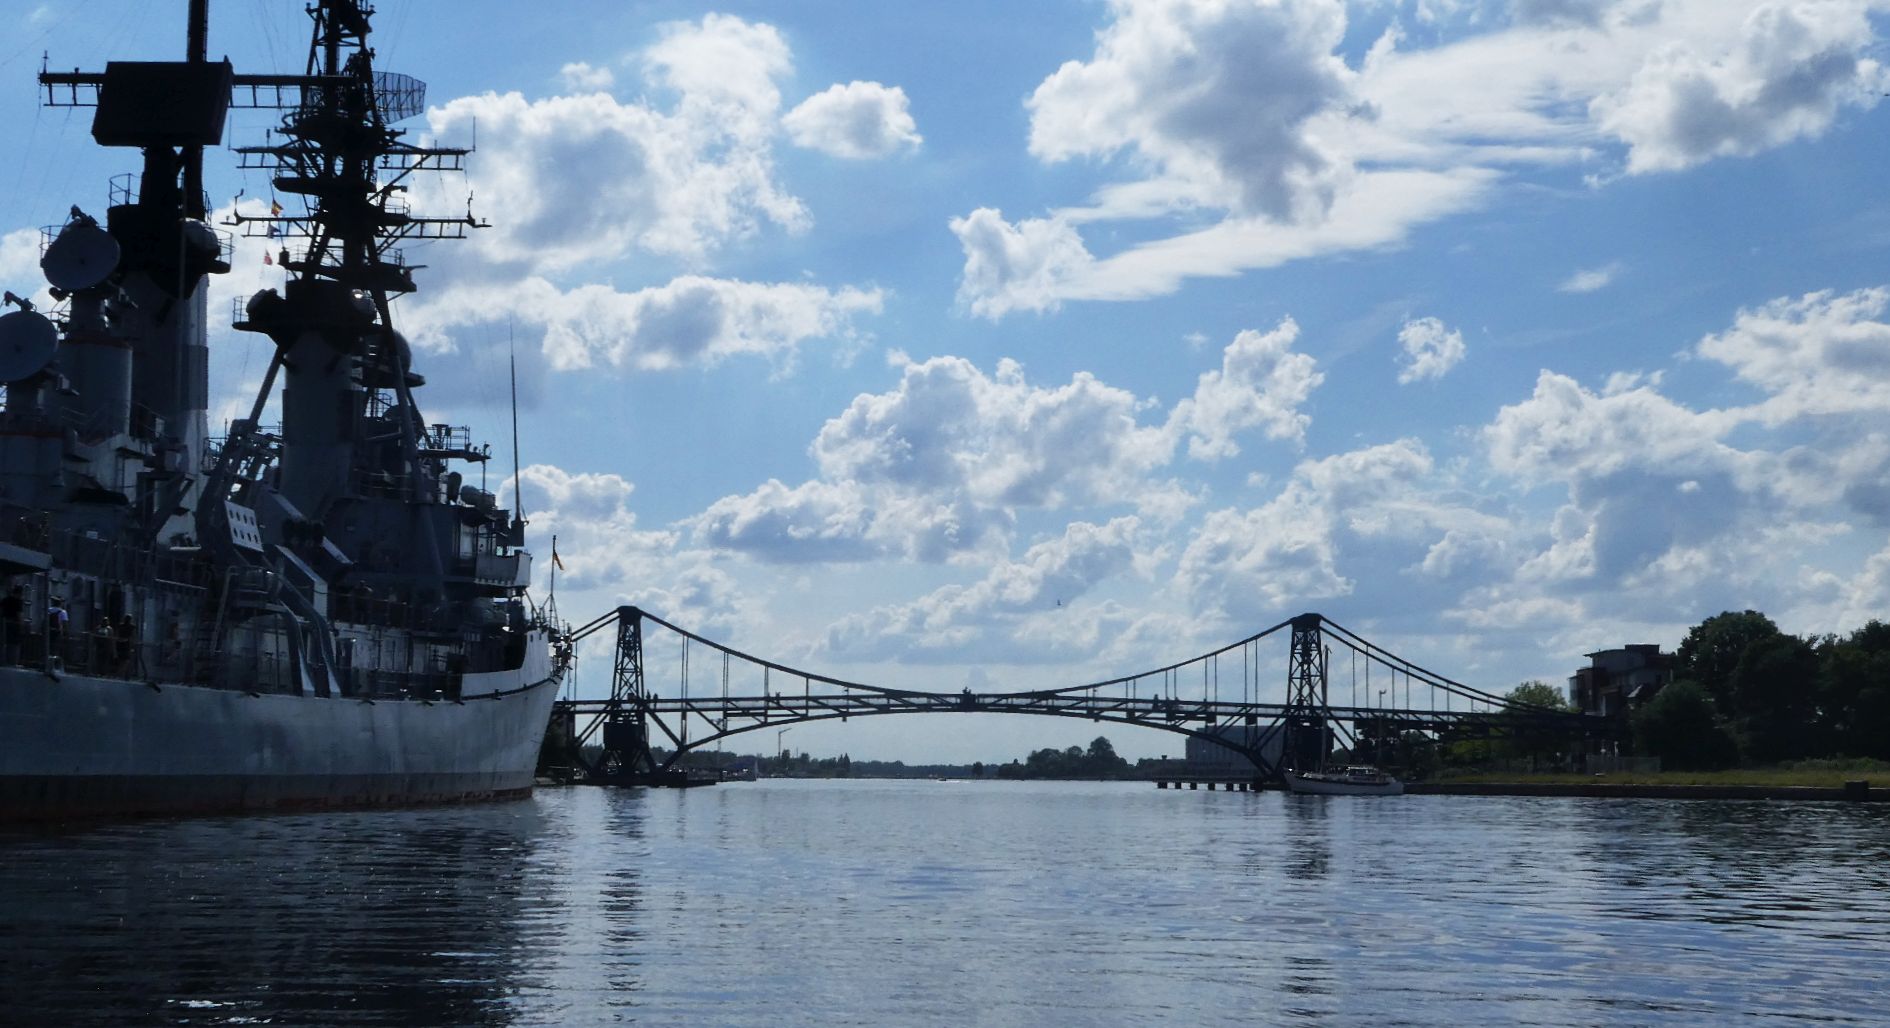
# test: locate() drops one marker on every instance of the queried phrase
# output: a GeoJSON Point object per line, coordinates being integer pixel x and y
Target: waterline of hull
{"type": "Point", "coordinates": [80, 746]}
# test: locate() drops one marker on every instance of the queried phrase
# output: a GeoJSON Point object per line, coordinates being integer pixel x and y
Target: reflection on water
{"type": "Point", "coordinates": [372, 918]}
{"type": "Point", "coordinates": [955, 903]}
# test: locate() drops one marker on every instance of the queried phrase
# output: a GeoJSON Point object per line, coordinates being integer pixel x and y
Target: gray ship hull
{"type": "Point", "coordinates": [85, 747]}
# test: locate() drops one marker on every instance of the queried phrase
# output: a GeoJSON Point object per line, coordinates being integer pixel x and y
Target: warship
{"type": "Point", "coordinates": [329, 610]}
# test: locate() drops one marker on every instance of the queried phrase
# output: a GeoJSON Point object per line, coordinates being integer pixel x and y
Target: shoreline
{"type": "Point", "coordinates": [1858, 792]}
{"type": "Point", "coordinates": [1853, 792]}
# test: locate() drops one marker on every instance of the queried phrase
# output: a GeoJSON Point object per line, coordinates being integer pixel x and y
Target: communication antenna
{"type": "Point", "coordinates": [27, 342]}
{"type": "Point", "coordinates": [518, 500]}
{"type": "Point", "coordinates": [81, 257]}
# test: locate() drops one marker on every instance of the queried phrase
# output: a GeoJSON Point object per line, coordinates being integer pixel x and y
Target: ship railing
{"type": "Point", "coordinates": [88, 554]}
{"type": "Point", "coordinates": [253, 670]}
{"type": "Point", "coordinates": [106, 558]}
{"type": "Point", "coordinates": [145, 422]}
{"type": "Point", "coordinates": [31, 420]}
{"type": "Point", "coordinates": [449, 437]}
{"type": "Point", "coordinates": [68, 90]}
{"type": "Point", "coordinates": [349, 607]}
{"type": "Point", "coordinates": [265, 95]}
{"type": "Point", "coordinates": [373, 683]}
{"type": "Point", "coordinates": [28, 529]}
{"type": "Point", "coordinates": [385, 484]}
{"type": "Point", "coordinates": [104, 654]}
{"type": "Point", "coordinates": [123, 189]}
{"type": "Point", "coordinates": [366, 609]}
{"type": "Point", "coordinates": [26, 420]}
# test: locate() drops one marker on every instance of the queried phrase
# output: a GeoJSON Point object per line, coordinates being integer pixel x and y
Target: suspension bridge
{"type": "Point", "coordinates": [1216, 696]}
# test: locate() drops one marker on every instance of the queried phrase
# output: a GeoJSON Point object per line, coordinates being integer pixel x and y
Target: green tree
{"type": "Point", "coordinates": [1681, 726]}
{"type": "Point", "coordinates": [977, 769]}
{"type": "Point", "coordinates": [1711, 651]}
{"type": "Point", "coordinates": [1102, 760]}
{"type": "Point", "coordinates": [1537, 693]}
{"type": "Point", "coordinates": [1854, 691]}
{"type": "Point", "coordinates": [1528, 735]}
{"type": "Point", "coordinates": [1775, 699]}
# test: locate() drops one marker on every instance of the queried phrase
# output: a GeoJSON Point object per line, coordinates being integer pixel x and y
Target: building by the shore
{"type": "Point", "coordinates": [1208, 758]}
{"type": "Point", "coordinates": [1619, 680]}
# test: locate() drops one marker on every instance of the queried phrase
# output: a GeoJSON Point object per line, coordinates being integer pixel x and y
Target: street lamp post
{"type": "Point", "coordinates": [778, 748]}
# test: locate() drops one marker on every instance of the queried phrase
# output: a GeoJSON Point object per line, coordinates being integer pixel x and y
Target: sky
{"type": "Point", "coordinates": [1002, 345]}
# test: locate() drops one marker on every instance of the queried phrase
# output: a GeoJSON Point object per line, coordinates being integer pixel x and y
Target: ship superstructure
{"type": "Point", "coordinates": [323, 611]}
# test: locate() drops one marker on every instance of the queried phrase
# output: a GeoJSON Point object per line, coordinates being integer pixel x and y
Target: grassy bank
{"type": "Point", "coordinates": [1827, 774]}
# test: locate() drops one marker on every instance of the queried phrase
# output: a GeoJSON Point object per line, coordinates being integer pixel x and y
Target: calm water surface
{"type": "Point", "coordinates": [890, 903]}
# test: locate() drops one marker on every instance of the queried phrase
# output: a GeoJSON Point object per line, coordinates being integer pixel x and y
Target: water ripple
{"type": "Point", "coordinates": [875, 903]}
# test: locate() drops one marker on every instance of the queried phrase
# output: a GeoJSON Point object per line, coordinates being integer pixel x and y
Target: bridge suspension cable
{"type": "Point", "coordinates": [1249, 725]}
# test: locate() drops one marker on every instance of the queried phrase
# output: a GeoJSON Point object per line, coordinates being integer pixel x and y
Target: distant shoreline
{"type": "Point", "coordinates": [1630, 790]}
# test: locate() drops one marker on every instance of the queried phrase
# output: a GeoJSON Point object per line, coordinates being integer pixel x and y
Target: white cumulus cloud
{"type": "Point", "coordinates": [1233, 128]}
{"type": "Point", "coordinates": [580, 77]}
{"type": "Point", "coordinates": [1430, 350]}
{"type": "Point", "coordinates": [1026, 266]}
{"type": "Point", "coordinates": [1785, 76]}
{"type": "Point", "coordinates": [1261, 384]}
{"type": "Point", "coordinates": [985, 619]}
{"type": "Point", "coordinates": [1217, 96]}
{"type": "Point", "coordinates": [577, 180]}
{"type": "Point", "coordinates": [855, 120]}
{"type": "Point", "coordinates": [943, 463]}
{"type": "Point", "coordinates": [691, 320]}
{"type": "Point", "coordinates": [1823, 353]}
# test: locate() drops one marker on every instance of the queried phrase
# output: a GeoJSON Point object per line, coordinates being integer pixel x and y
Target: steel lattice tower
{"type": "Point", "coordinates": [1308, 737]}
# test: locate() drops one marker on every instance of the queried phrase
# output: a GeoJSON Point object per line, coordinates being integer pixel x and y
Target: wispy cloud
{"type": "Point", "coordinates": [1588, 280]}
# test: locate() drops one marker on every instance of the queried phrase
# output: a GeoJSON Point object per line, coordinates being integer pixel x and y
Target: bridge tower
{"type": "Point", "coordinates": [1308, 733]}
{"type": "Point", "coordinates": [626, 755]}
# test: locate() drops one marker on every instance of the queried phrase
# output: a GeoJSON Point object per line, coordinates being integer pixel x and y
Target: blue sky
{"type": "Point", "coordinates": [949, 344]}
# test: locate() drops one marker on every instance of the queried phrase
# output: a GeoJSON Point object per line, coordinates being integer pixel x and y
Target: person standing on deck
{"type": "Point", "coordinates": [127, 640]}
{"type": "Point", "coordinates": [56, 619]}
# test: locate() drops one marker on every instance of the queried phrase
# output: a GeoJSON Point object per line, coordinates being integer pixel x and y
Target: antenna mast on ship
{"type": "Point", "coordinates": [339, 152]}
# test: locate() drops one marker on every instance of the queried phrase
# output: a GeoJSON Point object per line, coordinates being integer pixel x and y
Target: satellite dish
{"type": "Point", "coordinates": [27, 343]}
{"type": "Point", "coordinates": [81, 257]}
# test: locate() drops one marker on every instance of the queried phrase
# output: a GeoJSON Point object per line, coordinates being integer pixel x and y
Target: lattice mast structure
{"type": "Point", "coordinates": [1308, 718]}
{"type": "Point", "coordinates": [337, 149]}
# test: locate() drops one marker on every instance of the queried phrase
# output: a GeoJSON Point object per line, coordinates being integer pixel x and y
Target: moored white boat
{"type": "Point", "coordinates": [1350, 780]}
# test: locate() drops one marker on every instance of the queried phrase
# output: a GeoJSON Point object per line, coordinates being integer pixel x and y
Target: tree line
{"type": "Point", "coordinates": [1744, 692]}
{"type": "Point", "coordinates": [1099, 761]}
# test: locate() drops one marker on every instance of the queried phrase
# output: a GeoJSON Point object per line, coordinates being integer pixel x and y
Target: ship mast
{"type": "Point", "coordinates": [196, 51]}
{"type": "Point", "coordinates": [150, 304]}
{"type": "Point", "coordinates": [336, 149]}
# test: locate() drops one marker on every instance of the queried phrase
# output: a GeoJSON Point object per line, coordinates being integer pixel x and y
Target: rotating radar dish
{"type": "Point", "coordinates": [27, 343]}
{"type": "Point", "coordinates": [82, 257]}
